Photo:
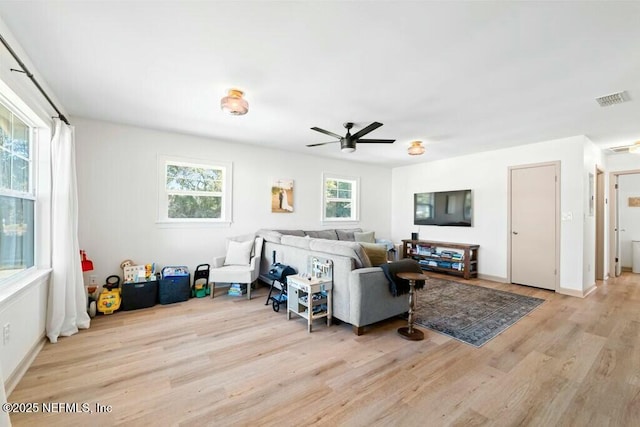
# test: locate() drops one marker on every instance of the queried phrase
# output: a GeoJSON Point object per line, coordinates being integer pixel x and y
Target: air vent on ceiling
{"type": "Point", "coordinates": [614, 98]}
{"type": "Point", "coordinates": [620, 149]}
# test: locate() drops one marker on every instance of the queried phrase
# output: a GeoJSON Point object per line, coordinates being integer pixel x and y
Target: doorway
{"type": "Point", "coordinates": [534, 224]}
{"type": "Point", "coordinates": [623, 185]}
{"type": "Point", "coordinates": [600, 207]}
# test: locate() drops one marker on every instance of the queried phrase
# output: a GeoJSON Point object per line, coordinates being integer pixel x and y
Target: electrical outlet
{"type": "Point", "coordinates": [93, 280]}
{"type": "Point", "coordinates": [6, 333]}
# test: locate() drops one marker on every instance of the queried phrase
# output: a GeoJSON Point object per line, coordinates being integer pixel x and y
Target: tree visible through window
{"type": "Point", "coordinates": [194, 191]}
{"type": "Point", "coordinates": [17, 198]}
{"type": "Point", "coordinates": [340, 201]}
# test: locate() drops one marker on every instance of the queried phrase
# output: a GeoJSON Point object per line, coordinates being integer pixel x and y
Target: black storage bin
{"type": "Point", "coordinates": [175, 285]}
{"type": "Point", "coordinates": [139, 295]}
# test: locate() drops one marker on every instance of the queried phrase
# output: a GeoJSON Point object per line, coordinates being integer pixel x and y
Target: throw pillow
{"type": "Point", "coordinates": [377, 253]}
{"type": "Point", "coordinates": [239, 253]}
{"type": "Point", "coordinates": [347, 234]}
{"type": "Point", "coordinates": [367, 236]}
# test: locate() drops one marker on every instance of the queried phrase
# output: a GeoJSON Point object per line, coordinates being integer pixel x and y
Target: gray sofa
{"type": "Point", "coordinates": [361, 293]}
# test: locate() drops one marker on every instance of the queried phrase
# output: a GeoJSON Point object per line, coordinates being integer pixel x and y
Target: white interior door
{"type": "Point", "coordinates": [618, 255]}
{"type": "Point", "coordinates": [533, 226]}
{"type": "Point", "coordinates": [600, 261]}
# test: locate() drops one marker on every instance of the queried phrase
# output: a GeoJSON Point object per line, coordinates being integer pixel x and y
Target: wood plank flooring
{"type": "Point", "coordinates": [229, 361]}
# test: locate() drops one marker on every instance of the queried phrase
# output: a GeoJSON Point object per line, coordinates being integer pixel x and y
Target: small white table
{"type": "Point", "coordinates": [307, 295]}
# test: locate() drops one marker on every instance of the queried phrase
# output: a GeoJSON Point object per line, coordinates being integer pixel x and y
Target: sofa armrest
{"type": "Point", "coordinates": [370, 299]}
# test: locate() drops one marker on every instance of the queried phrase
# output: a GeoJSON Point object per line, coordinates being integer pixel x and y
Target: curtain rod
{"type": "Point", "coordinates": [29, 74]}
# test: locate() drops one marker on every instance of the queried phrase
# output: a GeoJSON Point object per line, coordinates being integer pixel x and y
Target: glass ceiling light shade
{"type": "Point", "coordinates": [416, 148]}
{"type": "Point", "coordinates": [234, 103]}
{"type": "Point", "coordinates": [635, 148]}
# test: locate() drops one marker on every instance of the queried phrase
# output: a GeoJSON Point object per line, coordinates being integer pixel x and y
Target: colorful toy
{"type": "Point", "coordinates": [91, 295]}
{"type": "Point", "coordinates": [110, 299]}
{"type": "Point", "coordinates": [127, 263]}
{"type": "Point", "coordinates": [149, 271]}
{"type": "Point", "coordinates": [200, 286]}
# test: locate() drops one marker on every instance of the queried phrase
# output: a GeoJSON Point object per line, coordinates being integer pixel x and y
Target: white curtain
{"type": "Point", "coordinates": [67, 305]}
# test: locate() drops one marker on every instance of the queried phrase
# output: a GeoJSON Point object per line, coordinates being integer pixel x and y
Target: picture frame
{"type": "Point", "coordinates": [282, 195]}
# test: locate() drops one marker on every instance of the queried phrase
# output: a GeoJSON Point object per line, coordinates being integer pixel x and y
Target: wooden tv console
{"type": "Point", "coordinates": [460, 259]}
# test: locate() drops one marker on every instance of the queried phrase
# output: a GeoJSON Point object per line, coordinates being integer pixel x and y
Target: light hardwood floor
{"type": "Point", "coordinates": [229, 361]}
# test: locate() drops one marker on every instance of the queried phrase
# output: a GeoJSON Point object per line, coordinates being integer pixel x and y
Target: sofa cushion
{"type": "Point", "coordinates": [377, 253]}
{"type": "Point", "coordinates": [349, 249]}
{"type": "Point", "coordinates": [366, 236]}
{"type": "Point", "coordinates": [323, 234]}
{"type": "Point", "coordinates": [347, 234]}
{"type": "Point", "coordinates": [272, 236]}
{"type": "Point", "coordinates": [296, 241]}
{"type": "Point", "coordinates": [298, 233]}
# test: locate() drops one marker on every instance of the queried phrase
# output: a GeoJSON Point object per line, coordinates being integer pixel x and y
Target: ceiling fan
{"type": "Point", "coordinates": [348, 142]}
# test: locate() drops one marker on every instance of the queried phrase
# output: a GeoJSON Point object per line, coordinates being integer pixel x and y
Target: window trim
{"type": "Point", "coordinates": [163, 219]}
{"type": "Point", "coordinates": [39, 191]}
{"type": "Point", "coordinates": [355, 198]}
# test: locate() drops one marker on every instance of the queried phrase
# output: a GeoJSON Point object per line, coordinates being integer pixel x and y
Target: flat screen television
{"type": "Point", "coordinates": [450, 208]}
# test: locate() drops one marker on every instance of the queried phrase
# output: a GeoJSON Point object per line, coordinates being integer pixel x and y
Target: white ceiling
{"type": "Point", "coordinates": [462, 76]}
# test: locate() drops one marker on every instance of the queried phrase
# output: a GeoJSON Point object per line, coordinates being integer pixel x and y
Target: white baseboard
{"type": "Point", "coordinates": [577, 293]}
{"type": "Point", "coordinates": [492, 278]}
{"type": "Point", "coordinates": [24, 365]}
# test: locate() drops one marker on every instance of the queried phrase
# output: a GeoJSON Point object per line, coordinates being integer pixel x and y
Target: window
{"type": "Point", "coordinates": [193, 190]}
{"type": "Point", "coordinates": [17, 197]}
{"type": "Point", "coordinates": [340, 198]}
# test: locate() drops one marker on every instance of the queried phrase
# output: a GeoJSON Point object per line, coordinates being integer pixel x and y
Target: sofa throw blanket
{"type": "Point", "coordinates": [398, 286]}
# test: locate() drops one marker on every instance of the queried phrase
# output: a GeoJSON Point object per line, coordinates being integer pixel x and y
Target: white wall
{"type": "Point", "coordinates": [629, 186]}
{"type": "Point", "coordinates": [487, 175]}
{"type": "Point", "coordinates": [117, 184]}
{"type": "Point", "coordinates": [623, 162]}
{"type": "Point", "coordinates": [23, 302]}
{"type": "Point", "coordinates": [593, 158]}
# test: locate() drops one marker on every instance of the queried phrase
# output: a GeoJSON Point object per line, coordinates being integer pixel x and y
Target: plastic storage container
{"type": "Point", "coordinates": [139, 295]}
{"type": "Point", "coordinates": [174, 285]}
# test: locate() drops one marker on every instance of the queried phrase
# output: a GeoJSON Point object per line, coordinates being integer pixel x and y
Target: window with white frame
{"type": "Point", "coordinates": [194, 190]}
{"type": "Point", "coordinates": [17, 195]}
{"type": "Point", "coordinates": [340, 198]}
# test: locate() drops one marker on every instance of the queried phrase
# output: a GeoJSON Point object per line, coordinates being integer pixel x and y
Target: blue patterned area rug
{"type": "Point", "coordinates": [469, 313]}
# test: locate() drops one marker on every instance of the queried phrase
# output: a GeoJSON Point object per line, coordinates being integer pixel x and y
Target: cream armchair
{"type": "Point", "coordinates": [241, 264]}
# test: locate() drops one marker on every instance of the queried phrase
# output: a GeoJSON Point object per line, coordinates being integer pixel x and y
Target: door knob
{"type": "Point", "coordinates": [514, 232]}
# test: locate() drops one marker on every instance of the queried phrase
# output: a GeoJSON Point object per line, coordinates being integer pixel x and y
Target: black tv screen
{"type": "Point", "coordinates": [451, 208]}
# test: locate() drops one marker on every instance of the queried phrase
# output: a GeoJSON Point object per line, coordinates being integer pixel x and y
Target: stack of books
{"type": "Point", "coordinates": [237, 289]}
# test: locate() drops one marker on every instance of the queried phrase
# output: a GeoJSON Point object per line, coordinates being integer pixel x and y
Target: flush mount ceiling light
{"type": "Point", "coordinates": [635, 148]}
{"type": "Point", "coordinates": [234, 103]}
{"type": "Point", "coordinates": [416, 148]}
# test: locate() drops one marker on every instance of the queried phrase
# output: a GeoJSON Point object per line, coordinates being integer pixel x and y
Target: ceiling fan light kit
{"type": "Point", "coordinates": [348, 142]}
{"type": "Point", "coordinates": [234, 103]}
{"type": "Point", "coordinates": [416, 148]}
{"type": "Point", "coordinates": [635, 148]}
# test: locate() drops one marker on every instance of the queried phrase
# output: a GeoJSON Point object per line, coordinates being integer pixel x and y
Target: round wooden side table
{"type": "Point", "coordinates": [409, 332]}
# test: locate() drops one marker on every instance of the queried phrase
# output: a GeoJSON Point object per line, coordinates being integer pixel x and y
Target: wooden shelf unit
{"type": "Point", "coordinates": [429, 251]}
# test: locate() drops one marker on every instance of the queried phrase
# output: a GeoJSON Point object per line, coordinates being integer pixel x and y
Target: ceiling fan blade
{"type": "Point", "coordinates": [362, 132]}
{"type": "Point", "coordinates": [377, 141]}
{"type": "Point", "coordinates": [326, 132]}
{"type": "Point", "coordinates": [321, 143]}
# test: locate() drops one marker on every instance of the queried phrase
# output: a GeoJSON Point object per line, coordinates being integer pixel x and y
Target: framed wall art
{"type": "Point", "coordinates": [282, 195]}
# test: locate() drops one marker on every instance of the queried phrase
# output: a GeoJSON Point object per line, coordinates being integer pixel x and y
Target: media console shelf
{"type": "Point", "coordinates": [460, 259]}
